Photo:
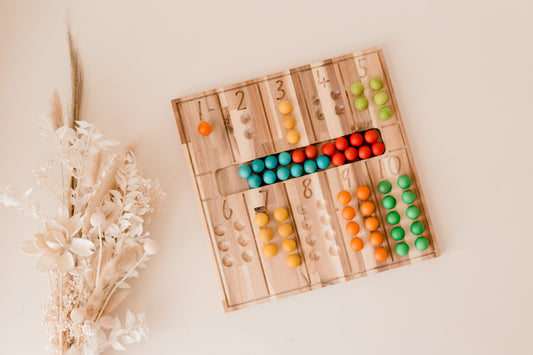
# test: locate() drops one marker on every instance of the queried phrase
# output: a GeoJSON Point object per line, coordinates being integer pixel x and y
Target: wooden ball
{"type": "Point", "coordinates": [204, 128]}
{"type": "Point", "coordinates": [293, 136]}
{"type": "Point", "coordinates": [288, 122]}
{"type": "Point", "coordinates": [285, 107]}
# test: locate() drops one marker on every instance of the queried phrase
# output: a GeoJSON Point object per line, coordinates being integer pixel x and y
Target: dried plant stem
{"type": "Point", "coordinates": [118, 284]}
{"type": "Point", "coordinates": [61, 313]}
{"type": "Point", "coordinates": [99, 256]}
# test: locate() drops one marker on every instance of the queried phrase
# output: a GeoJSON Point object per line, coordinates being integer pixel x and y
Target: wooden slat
{"type": "Point", "coordinates": [235, 249]}
{"type": "Point", "coordinates": [279, 277]}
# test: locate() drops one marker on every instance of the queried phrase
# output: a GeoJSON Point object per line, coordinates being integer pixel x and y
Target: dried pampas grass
{"type": "Point", "coordinates": [98, 238]}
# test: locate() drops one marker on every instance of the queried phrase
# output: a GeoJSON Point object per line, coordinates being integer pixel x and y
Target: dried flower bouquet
{"type": "Point", "coordinates": [98, 238]}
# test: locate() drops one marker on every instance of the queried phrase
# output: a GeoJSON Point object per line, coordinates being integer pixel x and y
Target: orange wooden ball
{"type": "Point", "coordinates": [352, 228]}
{"type": "Point", "coordinates": [380, 254]}
{"type": "Point", "coordinates": [204, 128]}
{"type": "Point", "coordinates": [357, 244]}
{"type": "Point", "coordinates": [348, 213]}
{"type": "Point", "coordinates": [362, 192]}
{"type": "Point", "coordinates": [344, 197]}
{"type": "Point", "coordinates": [375, 239]}
{"type": "Point", "coordinates": [371, 223]}
{"type": "Point", "coordinates": [367, 208]}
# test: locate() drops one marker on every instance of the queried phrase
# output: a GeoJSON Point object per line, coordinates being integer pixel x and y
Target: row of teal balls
{"type": "Point", "coordinates": [283, 172]}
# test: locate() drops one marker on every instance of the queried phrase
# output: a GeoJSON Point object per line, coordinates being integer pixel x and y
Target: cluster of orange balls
{"type": "Point", "coordinates": [367, 208]}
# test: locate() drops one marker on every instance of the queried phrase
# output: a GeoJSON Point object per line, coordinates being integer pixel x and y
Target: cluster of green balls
{"type": "Point", "coordinates": [412, 212]}
{"type": "Point", "coordinates": [380, 98]}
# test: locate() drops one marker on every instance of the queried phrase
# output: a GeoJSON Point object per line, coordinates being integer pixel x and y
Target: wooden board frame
{"type": "Point", "coordinates": [247, 125]}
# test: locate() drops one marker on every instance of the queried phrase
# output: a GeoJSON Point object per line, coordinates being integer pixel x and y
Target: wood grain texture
{"type": "Point", "coordinates": [246, 124]}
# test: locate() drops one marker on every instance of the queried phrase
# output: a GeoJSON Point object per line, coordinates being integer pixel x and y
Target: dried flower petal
{"type": "Point", "coordinates": [150, 247]}
{"type": "Point", "coordinates": [97, 219]}
{"type": "Point", "coordinates": [82, 247]}
{"type": "Point", "coordinates": [29, 247]}
{"type": "Point", "coordinates": [64, 262]}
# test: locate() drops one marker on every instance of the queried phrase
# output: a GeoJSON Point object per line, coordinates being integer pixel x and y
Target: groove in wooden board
{"type": "Point", "coordinates": [330, 200]}
{"type": "Point", "coordinates": [208, 152]}
{"type": "Point", "coordinates": [323, 255]}
{"type": "Point", "coordinates": [229, 181]}
{"type": "Point", "coordinates": [304, 109]}
{"type": "Point", "coordinates": [250, 137]}
{"type": "Point", "coordinates": [326, 80]}
{"type": "Point", "coordinates": [396, 111]}
{"type": "Point", "coordinates": [374, 69]}
{"type": "Point", "coordinates": [354, 70]}
{"type": "Point", "coordinates": [279, 277]}
{"type": "Point", "coordinates": [237, 258]}
{"type": "Point", "coordinates": [392, 135]}
{"type": "Point", "coordinates": [314, 105]}
{"type": "Point", "coordinates": [401, 207]}
{"type": "Point", "coordinates": [272, 95]}
{"type": "Point", "coordinates": [356, 176]}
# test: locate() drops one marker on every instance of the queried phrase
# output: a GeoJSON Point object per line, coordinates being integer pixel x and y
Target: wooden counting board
{"type": "Point", "coordinates": [246, 125]}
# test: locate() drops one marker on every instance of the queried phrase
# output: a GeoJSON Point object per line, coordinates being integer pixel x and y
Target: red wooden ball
{"type": "Point", "coordinates": [350, 153]}
{"type": "Point", "coordinates": [328, 149]}
{"type": "Point", "coordinates": [371, 136]}
{"type": "Point", "coordinates": [356, 139]}
{"type": "Point", "coordinates": [378, 148]}
{"type": "Point", "coordinates": [298, 156]}
{"type": "Point", "coordinates": [365, 152]}
{"type": "Point", "coordinates": [337, 159]}
{"type": "Point", "coordinates": [341, 143]}
{"type": "Point", "coordinates": [311, 151]}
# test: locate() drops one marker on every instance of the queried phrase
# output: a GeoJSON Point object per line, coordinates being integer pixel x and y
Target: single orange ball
{"type": "Point", "coordinates": [348, 213]}
{"type": "Point", "coordinates": [380, 254]}
{"type": "Point", "coordinates": [371, 223]}
{"type": "Point", "coordinates": [352, 228]}
{"type": "Point", "coordinates": [204, 128]}
{"type": "Point", "coordinates": [357, 244]}
{"type": "Point", "coordinates": [375, 239]}
{"type": "Point", "coordinates": [344, 197]}
{"type": "Point", "coordinates": [367, 208]}
{"type": "Point", "coordinates": [362, 192]}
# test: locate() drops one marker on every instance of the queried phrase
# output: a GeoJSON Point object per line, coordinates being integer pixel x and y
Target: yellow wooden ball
{"type": "Point", "coordinates": [284, 230]}
{"type": "Point", "coordinates": [269, 250]}
{"type": "Point", "coordinates": [265, 235]}
{"type": "Point", "coordinates": [288, 121]}
{"type": "Point", "coordinates": [288, 245]}
{"type": "Point", "coordinates": [293, 136]}
{"type": "Point", "coordinates": [261, 219]}
{"type": "Point", "coordinates": [293, 261]}
{"type": "Point", "coordinates": [281, 214]}
{"type": "Point", "coordinates": [285, 107]}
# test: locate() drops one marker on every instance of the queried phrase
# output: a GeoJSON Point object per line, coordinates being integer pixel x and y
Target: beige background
{"type": "Point", "coordinates": [462, 71]}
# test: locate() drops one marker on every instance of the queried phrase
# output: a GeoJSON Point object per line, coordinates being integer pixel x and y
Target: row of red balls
{"type": "Point", "coordinates": [344, 149]}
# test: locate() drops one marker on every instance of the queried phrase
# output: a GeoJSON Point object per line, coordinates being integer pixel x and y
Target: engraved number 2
{"type": "Point", "coordinates": [307, 191]}
{"type": "Point", "coordinates": [241, 101]}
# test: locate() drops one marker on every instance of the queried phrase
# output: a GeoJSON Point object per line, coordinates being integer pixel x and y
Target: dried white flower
{"type": "Point", "coordinates": [95, 243]}
{"type": "Point", "coordinates": [97, 219]}
{"type": "Point", "coordinates": [77, 315]}
{"type": "Point", "coordinates": [57, 244]}
{"type": "Point", "coordinates": [150, 247]}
